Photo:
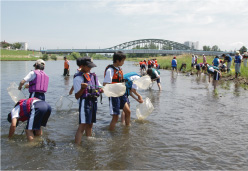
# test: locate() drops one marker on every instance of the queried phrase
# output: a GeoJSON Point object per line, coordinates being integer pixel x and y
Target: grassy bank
{"type": "Point", "coordinates": [19, 55]}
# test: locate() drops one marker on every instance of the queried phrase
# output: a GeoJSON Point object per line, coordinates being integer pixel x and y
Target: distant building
{"type": "Point", "coordinates": [192, 45]}
{"type": "Point", "coordinates": [24, 46]}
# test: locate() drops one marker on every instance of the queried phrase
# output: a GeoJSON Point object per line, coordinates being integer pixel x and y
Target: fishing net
{"type": "Point", "coordinates": [14, 93]}
{"type": "Point", "coordinates": [64, 103]}
{"type": "Point", "coordinates": [114, 90]}
{"type": "Point", "coordinates": [143, 110]}
{"type": "Point", "coordinates": [143, 82]}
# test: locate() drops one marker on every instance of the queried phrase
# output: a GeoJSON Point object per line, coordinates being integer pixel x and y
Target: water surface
{"type": "Point", "coordinates": [190, 128]}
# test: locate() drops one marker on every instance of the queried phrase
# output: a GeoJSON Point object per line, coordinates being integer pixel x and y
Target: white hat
{"type": "Point", "coordinates": [39, 61]}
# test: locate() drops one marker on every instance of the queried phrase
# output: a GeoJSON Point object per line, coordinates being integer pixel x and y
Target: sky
{"type": "Point", "coordinates": [95, 24]}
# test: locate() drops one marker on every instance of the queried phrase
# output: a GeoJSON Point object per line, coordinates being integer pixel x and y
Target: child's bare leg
{"type": "Point", "coordinates": [88, 129]}
{"type": "Point", "coordinates": [38, 132]}
{"type": "Point", "coordinates": [159, 86]}
{"type": "Point", "coordinates": [123, 117]}
{"type": "Point", "coordinates": [79, 134]}
{"type": "Point", "coordinates": [30, 135]}
{"type": "Point", "coordinates": [127, 111]}
{"type": "Point", "coordinates": [113, 122]}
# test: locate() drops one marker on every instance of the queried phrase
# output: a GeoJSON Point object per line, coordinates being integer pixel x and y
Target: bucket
{"type": "Point", "coordinates": [143, 110]}
{"type": "Point", "coordinates": [143, 82]}
{"type": "Point", "coordinates": [64, 103]}
{"type": "Point", "coordinates": [114, 90]}
{"type": "Point", "coordinates": [14, 93]}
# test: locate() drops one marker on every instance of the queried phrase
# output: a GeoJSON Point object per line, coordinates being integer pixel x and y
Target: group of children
{"type": "Point", "coordinates": [87, 89]}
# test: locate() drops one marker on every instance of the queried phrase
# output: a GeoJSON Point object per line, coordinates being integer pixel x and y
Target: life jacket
{"type": "Point", "coordinates": [92, 90]}
{"type": "Point", "coordinates": [149, 62]}
{"type": "Point", "coordinates": [174, 63]}
{"type": "Point", "coordinates": [25, 108]}
{"type": "Point", "coordinates": [118, 74]}
{"type": "Point", "coordinates": [237, 59]}
{"type": "Point", "coordinates": [216, 62]}
{"type": "Point", "coordinates": [129, 82]}
{"type": "Point", "coordinates": [66, 66]}
{"type": "Point", "coordinates": [153, 73]}
{"type": "Point", "coordinates": [156, 61]}
{"type": "Point", "coordinates": [210, 66]}
{"type": "Point", "coordinates": [40, 83]}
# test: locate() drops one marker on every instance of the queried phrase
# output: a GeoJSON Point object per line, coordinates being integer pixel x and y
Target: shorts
{"type": "Point", "coordinates": [39, 115]}
{"type": "Point", "coordinates": [117, 103]}
{"type": "Point", "coordinates": [192, 65]}
{"type": "Point", "coordinates": [158, 80]}
{"type": "Point", "coordinates": [198, 67]}
{"type": "Point", "coordinates": [149, 66]}
{"type": "Point", "coordinates": [143, 66]}
{"type": "Point", "coordinates": [37, 95]}
{"type": "Point", "coordinates": [216, 75]}
{"type": "Point", "coordinates": [87, 111]}
{"type": "Point", "coordinates": [174, 68]}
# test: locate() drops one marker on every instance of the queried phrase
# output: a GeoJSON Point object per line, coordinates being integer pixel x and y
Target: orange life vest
{"type": "Point", "coordinates": [66, 66]}
{"type": "Point", "coordinates": [118, 74]}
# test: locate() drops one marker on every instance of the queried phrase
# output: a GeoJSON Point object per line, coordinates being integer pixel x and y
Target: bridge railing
{"type": "Point", "coordinates": [132, 51]}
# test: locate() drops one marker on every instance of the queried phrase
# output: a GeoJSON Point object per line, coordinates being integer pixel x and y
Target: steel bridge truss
{"type": "Point", "coordinates": [160, 43]}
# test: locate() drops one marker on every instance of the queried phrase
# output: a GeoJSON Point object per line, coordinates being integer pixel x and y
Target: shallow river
{"type": "Point", "coordinates": [190, 128]}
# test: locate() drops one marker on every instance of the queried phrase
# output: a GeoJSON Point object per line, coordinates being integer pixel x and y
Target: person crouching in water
{"type": "Point", "coordinates": [86, 88]}
{"type": "Point", "coordinates": [199, 67]}
{"type": "Point", "coordinates": [35, 111]}
{"type": "Point", "coordinates": [114, 74]}
{"type": "Point", "coordinates": [38, 81]}
{"type": "Point", "coordinates": [131, 89]}
{"type": "Point", "coordinates": [155, 76]}
{"type": "Point", "coordinates": [213, 70]}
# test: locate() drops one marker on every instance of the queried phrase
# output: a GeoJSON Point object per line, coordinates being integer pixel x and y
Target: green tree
{"type": "Point", "coordinates": [206, 48]}
{"type": "Point", "coordinates": [16, 45]}
{"type": "Point", "coordinates": [45, 57]}
{"type": "Point", "coordinates": [215, 48]}
{"type": "Point", "coordinates": [242, 49]}
{"type": "Point", "coordinates": [54, 57]}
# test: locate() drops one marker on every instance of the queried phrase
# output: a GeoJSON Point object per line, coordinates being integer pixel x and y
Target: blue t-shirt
{"type": "Point", "coordinates": [228, 58]}
{"type": "Point", "coordinates": [237, 59]}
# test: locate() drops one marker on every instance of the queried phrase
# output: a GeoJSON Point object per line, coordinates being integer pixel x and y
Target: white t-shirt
{"type": "Point", "coordinates": [135, 77]}
{"type": "Point", "coordinates": [193, 60]}
{"type": "Point", "coordinates": [109, 75]}
{"type": "Point", "coordinates": [15, 112]}
{"type": "Point", "coordinates": [30, 77]}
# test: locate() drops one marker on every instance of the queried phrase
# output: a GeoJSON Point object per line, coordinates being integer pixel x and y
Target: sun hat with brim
{"type": "Point", "coordinates": [86, 61]}
{"type": "Point", "coordinates": [38, 62]}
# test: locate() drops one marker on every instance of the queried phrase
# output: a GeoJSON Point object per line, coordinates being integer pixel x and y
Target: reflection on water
{"type": "Point", "coordinates": [190, 128]}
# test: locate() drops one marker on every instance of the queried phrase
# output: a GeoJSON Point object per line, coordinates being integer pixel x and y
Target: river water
{"type": "Point", "coordinates": [191, 127]}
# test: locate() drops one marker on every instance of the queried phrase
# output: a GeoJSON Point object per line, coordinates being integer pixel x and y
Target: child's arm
{"type": "Point", "coordinates": [132, 92]}
{"type": "Point", "coordinates": [12, 127]}
{"type": "Point", "coordinates": [80, 92]}
{"type": "Point", "coordinates": [71, 90]}
{"type": "Point", "coordinates": [21, 84]}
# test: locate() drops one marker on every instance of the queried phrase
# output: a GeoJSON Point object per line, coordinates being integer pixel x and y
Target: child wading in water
{"type": "Point", "coordinates": [86, 88]}
{"type": "Point", "coordinates": [113, 74]}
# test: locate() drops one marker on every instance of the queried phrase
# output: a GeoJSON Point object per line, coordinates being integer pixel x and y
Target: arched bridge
{"type": "Point", "coordinates": [158, 44]}
{"type": "Point", "coordinates": [142, 46]}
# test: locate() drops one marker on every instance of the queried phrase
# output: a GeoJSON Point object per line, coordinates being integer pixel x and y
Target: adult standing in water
{"type": "Point", "coordinates": [66, 67]}
{"type": "Point", "coordinates": [38, 81]}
